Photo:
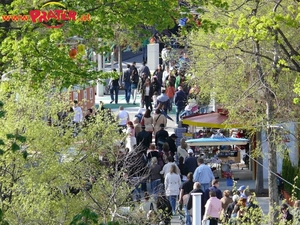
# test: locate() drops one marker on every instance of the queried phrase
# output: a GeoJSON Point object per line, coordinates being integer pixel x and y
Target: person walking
{"type": "Point", "coordinates": [185, 190]}
{"type": "Point", "coordinates": [226, 200]}
{"type": "Point", "coordinates": [215, 187]}
{"type": "Point", "coordinates": [203, 174]}
{"type": "Point", "coordinates": [123, 118]}
{"type": "Point", "coordinates": [127, 83]}
{"type": "Point", "coordinates": [144, 139]}
{"type": "Point", "coordinates": [167, 166]}
{"type": "Point", "coordinates": [172, 143]}
{"type": "Point", "coordinates": [182, 150]}
{"type": "Point", "coordinates": [130, 138]}
{"type": "Point", "coordinates": [134, 80]}
{"type": "Point", "coordinates": [148, 122]}
{"type": "Point", "coordinates": [159, 74]}
{"type": "Point", "coordinates": [158, 119]}
{"type": "Point", "coordinates": [180, 99]}
{"type": "Point", "coordinates": [172, 185]}
{"type": "Point", "coordinates": [164, 101]}
{"type": "Point", "coordinates": [141, 84]}
{"type": "Point", "coordinates": [144, 70]}
{"type": "Point", "coordinates": [196, 189]}
{"type": "Point", "coordinates": [231, 206]}
{"type": "Point", "coordinates": [147, 93]}
{"type": "Point", "coordinates": [190, 164]}
{"type": "Point", "coordinates": [155, 176]}
{"type": "Point", "coordinates": [161, 137]}
{"type": "Point", "coordinates": [213, 208]}
{"type": "Point", "coordinates": [114, 88]}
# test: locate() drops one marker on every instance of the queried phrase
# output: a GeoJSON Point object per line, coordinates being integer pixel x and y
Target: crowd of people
{"type": "Point", "coordinates": [162, 89]}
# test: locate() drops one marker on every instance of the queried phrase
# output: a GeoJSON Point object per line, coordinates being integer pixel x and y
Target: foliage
{"type": "Point", "coordinates": [290, 173]}
{"type": "Point", "coordinates": [249, 66]}
{"type": "Point", "coordinates": [47, 176]}
{"type": "Point", "coordinates": [42, 53]}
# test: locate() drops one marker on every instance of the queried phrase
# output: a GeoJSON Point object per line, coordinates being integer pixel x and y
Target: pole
{"type": "Point", "coordinates": [197, 208]}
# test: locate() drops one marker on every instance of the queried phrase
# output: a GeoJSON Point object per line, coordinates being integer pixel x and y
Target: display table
{"type": "Point", "coordinates": [230, 156]}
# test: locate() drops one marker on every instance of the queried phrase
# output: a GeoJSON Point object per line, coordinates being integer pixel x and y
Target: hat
{"type": "Point", "coordinates": [162, 125]}
{"type": "Point", "coordinates": [241, 188]}
{"type": "Point", "coordinates": [143, 126]}
{"type": "Point", "coordinates": [190, 151]}
{"type": "Point", "coordinates": [173, 136]}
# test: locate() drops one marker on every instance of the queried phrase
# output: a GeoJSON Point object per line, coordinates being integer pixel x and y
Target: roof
{"type": "Point", "coordinates": [213, 120]}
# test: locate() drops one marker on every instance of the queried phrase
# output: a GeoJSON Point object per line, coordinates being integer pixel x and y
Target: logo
{"type": "Point", "coordinates": [50, 18]}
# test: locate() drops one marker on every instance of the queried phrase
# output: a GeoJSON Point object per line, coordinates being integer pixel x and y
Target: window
{"type": "Point", "coordinates": [91, 92]}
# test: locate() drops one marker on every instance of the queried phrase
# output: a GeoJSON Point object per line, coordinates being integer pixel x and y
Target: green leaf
{"type": "Point", "coordinates": [25, 154]}
{"type": "Point", "coordinates": [2, 142]}
{"type": "Point", "coordinates": [15, 147]}
{"type": "Point", "coordinates": [21, 138]}
{"type": "Point", "coordinates": [1, 151]}
{"type": "Point", "coordinates": [10, 136]}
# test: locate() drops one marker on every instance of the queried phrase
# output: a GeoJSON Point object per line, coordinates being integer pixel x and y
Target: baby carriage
{"type": "Point", "coordinates": [181, 215]}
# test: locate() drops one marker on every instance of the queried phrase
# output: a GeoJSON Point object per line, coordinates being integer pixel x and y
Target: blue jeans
{"type": "Point", "coordinates": [116, 90]}
{"type": "Point", "coordinates": [172, 200]}
{"type": "Point", "coordinates": [204, 186]}
{"type": "Point", "coordinates": [155, 187]}
{"type": "Point", "coordinates": [188, 220]}
{"type": "Point", "coordinates": [127, 88]}
{"type": "Point", "coordinates": [178, 111]}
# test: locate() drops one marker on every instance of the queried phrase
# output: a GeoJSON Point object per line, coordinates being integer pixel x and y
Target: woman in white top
{"type": "Point", "coordinates": [172, 186]}
{"type": "Point", "coordinates": [130, 138]}
{"type": "Point", "coordinates": [182, 149]}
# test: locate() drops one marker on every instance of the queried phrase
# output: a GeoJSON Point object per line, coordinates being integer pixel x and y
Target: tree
{"type": "Point", "coordinates": [43, 53]}
{"type": "Point", "coordinates": [47, 175]}
{"type": "Point", "coordinates": [250, 66]}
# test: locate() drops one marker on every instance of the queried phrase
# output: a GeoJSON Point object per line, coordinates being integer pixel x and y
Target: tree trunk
{"type": "Point", "coordinates": [259, 185]}
{"type": "Point", "coordinates": [120, 59]}
{"type": "Point", "coordinates": [272, 160]}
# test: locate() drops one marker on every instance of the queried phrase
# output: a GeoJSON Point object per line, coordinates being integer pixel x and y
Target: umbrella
{"type": "Point", "coordinates": [216, 141]}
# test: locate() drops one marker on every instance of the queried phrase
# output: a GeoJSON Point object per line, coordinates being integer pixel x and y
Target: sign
{"type": "Point", "coordinates": [50, 18]}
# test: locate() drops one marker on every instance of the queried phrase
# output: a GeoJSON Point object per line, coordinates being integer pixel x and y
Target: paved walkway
{"type": "Point", "coordinates": [132, 110]}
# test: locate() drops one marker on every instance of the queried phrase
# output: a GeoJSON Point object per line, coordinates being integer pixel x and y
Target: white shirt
{"type": "Point", "coordinates": [147, 91]}
{"type": "Point", "coordinates": [78, 117]}
{"type": "Point", "coordinates": [123, 117]}
{"type": "Point", "coordinates": [166, 168]}
{"type": "Point", "coordinates": [165, 75]}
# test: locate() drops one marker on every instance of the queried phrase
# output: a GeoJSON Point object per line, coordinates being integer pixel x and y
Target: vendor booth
{"type": "Point", "coordinates": [214, 146]}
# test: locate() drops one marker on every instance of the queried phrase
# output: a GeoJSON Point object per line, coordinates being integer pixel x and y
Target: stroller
{"type": "Point", "coordinates": [180, 214]}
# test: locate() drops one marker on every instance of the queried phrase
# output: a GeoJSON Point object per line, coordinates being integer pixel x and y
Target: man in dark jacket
{"type": "Point", "coordinates": [161, 137]}
{"type": "Point", "coordinates": [190, 163]}
{"type": "Point", "coordinates": [144, 139]}
{"type": "Point", "coordinates": [215, 188]}
{"type": "Point", "coordinates": [172, 145]}
{"type": "Point", "coordinates": [196, 189]}
{"type": "Point", "coordinates": [180, 99]}
{"type": "Point", "coordinates": [127, 83]}
{"type": "Point", "coordinates": [144, 69]}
